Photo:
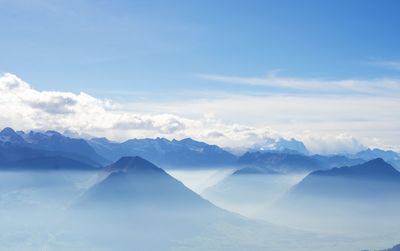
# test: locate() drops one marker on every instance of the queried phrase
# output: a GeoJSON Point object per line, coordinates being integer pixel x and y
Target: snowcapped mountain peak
{"type": "Point", "coordinates": [281, 144]}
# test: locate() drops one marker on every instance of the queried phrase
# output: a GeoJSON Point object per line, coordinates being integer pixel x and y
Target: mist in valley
{"type": "Point", "coordinates": [76, 210]}
{"type": "Point", "coordinates": [355, 224]}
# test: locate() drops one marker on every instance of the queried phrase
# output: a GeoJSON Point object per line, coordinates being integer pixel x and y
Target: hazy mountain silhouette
{"type": "Point", "coordinates": [135, 181]}
{"type": "Point", "coordinates": [256, 170]}
{"type": "Point", "coordinates": [48, 163]}
{"type": "Point", "coordinates": [389, 156]}
{"type": "Point", "coordinates": [331, 161]}
{"type": "Point", "coordinates": [263, 176]}
{"type": "Point", "coordinates": [267, 162]}
{"type": "Point", "coordinates": [19, 157]}
{"type": "Point", "coordinates": [138, 206]}
{"type": "Point", "coordinates": [394, 248]}
{"type": "Point", "coordinates": [140, 198]}
{"type": "Point", "coordinates": [176, 153]}
{"type": "Point", "coordinates": [278, 161]}
{"type": "Point", "coordinates": [364, 196]}
{"type": "Point", "coordinates": [373, 178]}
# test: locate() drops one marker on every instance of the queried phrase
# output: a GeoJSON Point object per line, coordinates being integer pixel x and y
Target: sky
{"type": "Point", "coordinates": [233, 73]}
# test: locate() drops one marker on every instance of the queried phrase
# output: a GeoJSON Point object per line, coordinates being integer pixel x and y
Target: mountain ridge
{"type": "Point", "coordinates": [176, 153]}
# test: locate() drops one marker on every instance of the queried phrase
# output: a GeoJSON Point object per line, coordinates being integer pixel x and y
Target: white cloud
{"type": "Point", "coordinates": [342, 143]}
{"type": "Point", "coordinates": [323, 123]}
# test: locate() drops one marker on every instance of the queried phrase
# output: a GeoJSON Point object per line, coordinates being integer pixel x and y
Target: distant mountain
{"type": "Point", "coordinates": [282, 162]}
{"type": "Point", "coordinates": [264, 176]}
{"type": "Point", "coordinates": [141, 199]}
{"type": "Point", "coordinates": [281, 145]}
{"type": "Point", "coordinates": [20, 157]}
{"type": "Point", "coordinates": [373, 178]}
{"type": "Point", "coordinates": [331, 161]}
{"type": "Point", "coordinates": [175, 153]}
{"type": "Point", "coordinates": [55, 141]}
{"type": "Point", "coordinates": [139, 206]}
{"type": "Point", "coordinates": [18, 148]}
{"type": "Point", "coordinates": [255, 170]}
{"type": "Point", "coordinates": [389, 156]}
{"type": "Point", "coordinates": [394, 248]}
{"type": "Point", "coordinates": [134, 181]}
{"type": "Point", "coordinates": [278, 162]}
{"type": "Point", "coordinates": [49, 163]}
{"type": "Point", "coordinates": [9, 135]}
{"type": "Point", "coordinates": [365, 195]}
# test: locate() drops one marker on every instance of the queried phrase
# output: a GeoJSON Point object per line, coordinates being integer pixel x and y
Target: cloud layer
{"type": "Point", "coordinates": [25, 108]}
{"type": "Point", "coordinates": [326, 125]}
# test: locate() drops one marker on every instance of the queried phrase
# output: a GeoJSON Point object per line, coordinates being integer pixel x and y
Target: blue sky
{"type": "Point", "coordinates": [162, 52]}
{"type": "Point", "coordinates": [136, 46]}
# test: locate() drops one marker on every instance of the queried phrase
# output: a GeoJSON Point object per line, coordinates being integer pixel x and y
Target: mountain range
{"type": "Point", "coordinates": [47, 150]}
{"type": "Point", "coordinates": [18, 149]}
{"type": "Point", "coordinates": [52, 150]}
{"type": "Point", "coordinates": [389, 156]}
{"type": "Point", "coordinates": [174, 153]}
{"type": "Point", "coordinates": [267, 162]}
{"type": "Point", "coordinates": [134, 204]}
{"type": "Point", "coordinates": [138, 206]}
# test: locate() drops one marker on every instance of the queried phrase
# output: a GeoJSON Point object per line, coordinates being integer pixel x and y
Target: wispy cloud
{"type": "Point", "coordinates": [378, 86]}
{"type": "Point", "coordinates": [392, 65]}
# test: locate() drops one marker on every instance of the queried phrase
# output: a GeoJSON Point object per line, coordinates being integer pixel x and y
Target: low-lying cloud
{"type": "Point", "coordinates": [325, 125]}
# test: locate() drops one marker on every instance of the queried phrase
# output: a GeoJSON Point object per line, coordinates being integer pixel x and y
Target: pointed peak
{"type": "Point", "coordinates": [9, 135]}
{"type": "Point", "coordinates": [8, 131]}
{"type": "Point", "coordinates": [130, 160]}
{"type": "Point", "coordinates": [374, 169]}
{"type": "Point", "coordinates": [132, 164]}
{"type": "Point", "coordinates": [376, 161]}
{"type": "Point", "coordinates": [188, 140]}
{"type": "Point", "coordinates": [53, 133]}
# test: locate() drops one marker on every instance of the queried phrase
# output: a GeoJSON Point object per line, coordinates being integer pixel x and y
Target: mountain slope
{"type": "Point", "coordinates": [394, 248]}
{"type": "Point", "coordinates": [48, 163]}
{"type": "Point", "coordinates": [373, 178]}
{"type": "Point", "coordinates": [364, 196]}
{"type": "Point", "coordinates": [136, 182]}
{"type": "Point", "coordinates": [19, 157]}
